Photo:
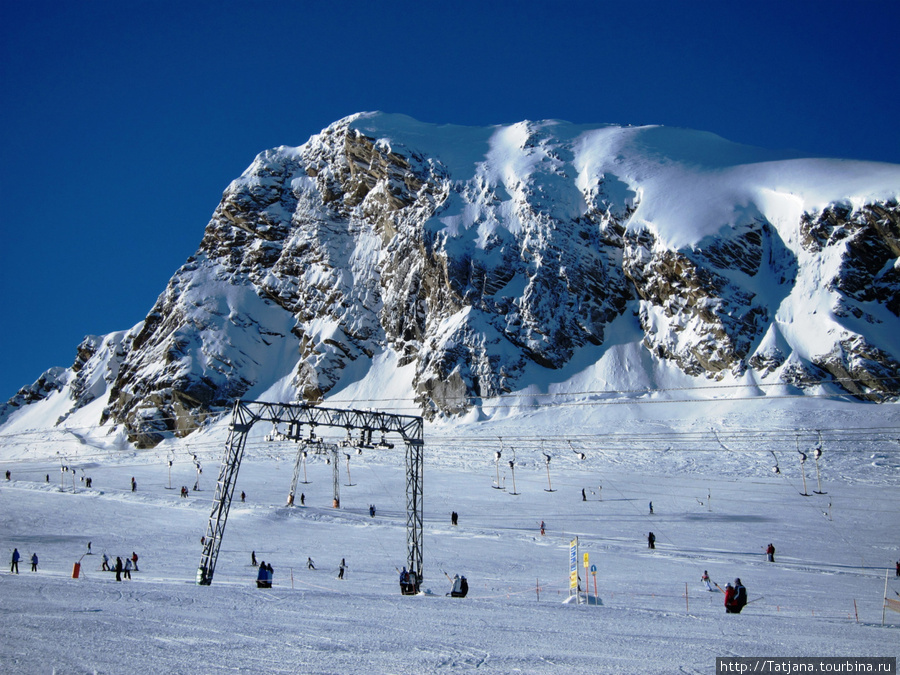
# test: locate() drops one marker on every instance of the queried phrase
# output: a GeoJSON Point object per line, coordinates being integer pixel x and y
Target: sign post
{"type": "Point", "coordinates": [594, 574]}
{"type": "Point", "coordinates": [587, 586]}
{"type": "Point", "coordinates": [573, 569]}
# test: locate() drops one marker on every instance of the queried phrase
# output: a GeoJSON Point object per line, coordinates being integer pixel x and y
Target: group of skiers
{"type": "Point", "coordinates": [264, 576]}
{"type": "Point", "coordinates": [460, 586]}
{"type": "Point", "coordinates": [14, 566]}
{"type": "Point", "coordinates": [735, 594]}
{"type": "Point", "coordinates": [265, 569]}
{"type": "Point", "coordinates": [121, 568]}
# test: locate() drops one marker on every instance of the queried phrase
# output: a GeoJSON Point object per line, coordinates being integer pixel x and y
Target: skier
{"type": "Point", "coordinates": [729, 598]}
{"type": "Point", "coordinates": [128, 568]}
{"type": "Point", "coordinates": [651, 540]}
{"type": "Point", "coordinates": [34, 562]}
{"type": "Point", "coordinates": [253, 558]}
{"type": "Point", "coordinates": [583, 497]}
{"type": "Point", "coordinates": [341, 569]}
{"type": "Point", "coordinates": [133, 484]}
{"type": "Point", "coordinates": [310, 565]}
{"type": "Point", "coordinates": [302, 499]}
{"type": "Point", "coordinates": [89, 549]}
{"type": "Point", "coordinates": [705, 580]}
{"type": "Point", "coordinates": [463, 587]}
{"type": "Point", "coordinates": [264, 576]}
{"type": "Point", "coordinates": [542, 528]}
{"type": "Point", "coordinates": [898, 568]}
{"type": "Point", "coordinates": [7, 475]}
{"type": "Point", "coordinates": [105, 566]}
{"type": "Point", "coordinates": [118, 568]}
{"type": "Point", "coordinates": [456, 588]}
{"type": "Point", "coordinates": [371, 510]}
{"type": "Point", "coordinates": [134, 559]}
{"type": "Point", "coordinates": [770, 553]}
{"type": "Point", "coordinates": [243, 495]}
{"type": "Point", "coordinates": [651, 508]}
{"type": "Point", "coordinates": [14, 567]}
{"type": "Point", "coordinates": [454, 517]}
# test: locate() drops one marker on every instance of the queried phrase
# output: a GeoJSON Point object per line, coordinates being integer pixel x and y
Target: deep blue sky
{"type": "Point", "coordinates": [121, 123]}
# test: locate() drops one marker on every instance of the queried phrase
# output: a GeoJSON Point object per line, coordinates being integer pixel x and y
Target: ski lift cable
{"type": "Point", "coordinates": [812, 504]}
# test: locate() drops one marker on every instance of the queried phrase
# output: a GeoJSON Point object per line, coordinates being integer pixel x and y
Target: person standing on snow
{"type": "Point", "coordinates": [341, 569]}
{"type": "Point", "coordinates": [134, 559]}
{"type": "Point", "coordinates": [705, 580]}
{"type": "Point", "coordinates": [770, 553]}
{"type": "Point", "coordinates": [651, 540]}
{"type": "Point", "coordinates": [34, 562]}
{"type": "Point", "coordinates": [128, 568]}
{"type": "Point", "coordinates": [118, 568]}
{"type": "Point", "coordinates": [735, 597]}
{"type": "Point", "coordinates": [14, 567]}
{"type": "Point", "coordinates": [253, 558]}
{"type": "Point", "coordinates": [729, 598]}
{"type": "Point", "coordinates": [105, 566]}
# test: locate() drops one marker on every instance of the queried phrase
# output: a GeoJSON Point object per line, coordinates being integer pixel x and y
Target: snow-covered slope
{"type": "Point", "coordinates": [482, 265]}
{"type": "Point", "coordinates": [716, 505]}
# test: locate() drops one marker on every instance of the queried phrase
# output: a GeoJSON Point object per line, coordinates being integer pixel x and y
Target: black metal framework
{"type": "Point", "coordinates": [246, 413]}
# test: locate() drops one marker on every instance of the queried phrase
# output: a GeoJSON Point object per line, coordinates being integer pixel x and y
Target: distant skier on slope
{"type": "Point", "coordinates": [651, 540]}
{"type": "Point", "coordinates": [770, 553]}
{"type": "Point", "coordinates": [705, 580]}
{"type": "Point", "coordinates": [34, 562]}
{"type": "Point", "coordinates": [14, 567]}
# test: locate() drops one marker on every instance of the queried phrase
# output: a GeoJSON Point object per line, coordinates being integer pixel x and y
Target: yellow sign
{"type": "Point", "coordinates": [586, 563]}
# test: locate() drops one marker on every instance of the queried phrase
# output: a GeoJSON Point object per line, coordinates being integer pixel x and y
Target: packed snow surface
{"type": "Point", "coordinates": [706, 467]}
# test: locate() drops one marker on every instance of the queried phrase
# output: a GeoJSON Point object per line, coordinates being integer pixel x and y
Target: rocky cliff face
{"type": "Point", "coordinates": [477, 254]}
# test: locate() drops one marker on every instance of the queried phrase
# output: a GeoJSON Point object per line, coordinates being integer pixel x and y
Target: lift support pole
{"type": "Point", "coordinates": [295, 415]}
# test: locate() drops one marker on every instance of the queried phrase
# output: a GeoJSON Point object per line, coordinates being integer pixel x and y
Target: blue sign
{"type": "Point", "coordinates": [593, 569]}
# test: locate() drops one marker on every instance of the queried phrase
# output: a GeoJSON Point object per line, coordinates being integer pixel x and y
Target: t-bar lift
{"type": "Point", "coordinates": [297, 415]}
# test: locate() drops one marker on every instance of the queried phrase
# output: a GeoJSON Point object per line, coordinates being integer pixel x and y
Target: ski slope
{"type": "Point", "coordinates": [715, 508]}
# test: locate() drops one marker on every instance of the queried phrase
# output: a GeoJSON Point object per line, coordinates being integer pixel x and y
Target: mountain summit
{"type": "Point", "coordinates": [469, 263]}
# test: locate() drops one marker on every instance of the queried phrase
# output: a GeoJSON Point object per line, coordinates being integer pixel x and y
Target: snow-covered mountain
{"type": "Point", "coordinates": [535, 258]}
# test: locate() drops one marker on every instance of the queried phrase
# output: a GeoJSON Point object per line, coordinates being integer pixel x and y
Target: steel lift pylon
{"type": "Point", "coordinates": [295, 415]}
